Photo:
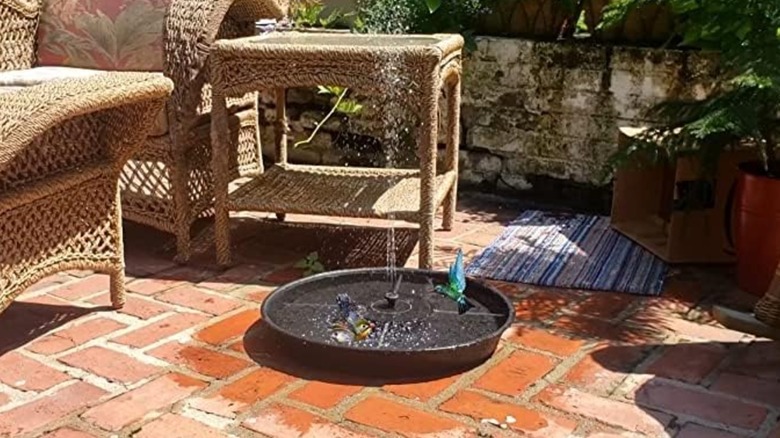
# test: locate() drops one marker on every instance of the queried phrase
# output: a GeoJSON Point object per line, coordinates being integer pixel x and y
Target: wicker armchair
{"type": "Point", "coordinates": [63, 145]}
{"type": "Point", "coordinates": [168, 184]}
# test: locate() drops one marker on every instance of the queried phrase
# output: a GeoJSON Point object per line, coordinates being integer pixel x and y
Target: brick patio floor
{"type": "Point", "coordinates": [187, 358]}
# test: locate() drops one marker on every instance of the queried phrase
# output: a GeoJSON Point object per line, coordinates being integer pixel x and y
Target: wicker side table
{"type": "Point", "coordinates": [278, 61]}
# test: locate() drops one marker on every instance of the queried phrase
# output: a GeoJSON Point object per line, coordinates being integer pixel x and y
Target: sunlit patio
{"type": "Point", "coordinates": [187, 357]}
{"type": "Point", "coordinates": [389, 218]}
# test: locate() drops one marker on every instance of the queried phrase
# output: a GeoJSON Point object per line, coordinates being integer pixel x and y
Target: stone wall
{"type": "Point", "coordinates": [530, 109]}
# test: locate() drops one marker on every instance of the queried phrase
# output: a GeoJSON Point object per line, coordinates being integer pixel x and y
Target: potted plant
{"type": "Point", "coordinates": [647, 23]}
{"type": "Point", "coordinates": [743, 110]}
{"type": "Point", "coordinates": [543, 19]}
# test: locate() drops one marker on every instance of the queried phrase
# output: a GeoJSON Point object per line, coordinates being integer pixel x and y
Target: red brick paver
{"type": "Point", "coordinates": [139, 307]}
{"type": "Point", "coordinates": [241, 394]}
{"type": "Point", "coordinates": [132, 406]}
{"type": "Point", "coordinates": [701, 404]}
{"type": "Point", "coordinates": [202, 360]}
{"type": "Point", "coordinates": [187, 357]}
{"type": "Point", "coordinates": [83, 288]}
{"type": "Point", "coordinates": [423, 391]}
{"type": "Point", "coordinates": [50, 409]}
{"type": "Point", "coordinates": [613, 412]}
{"type": "Point", "coordinates": [112, 365]}
{"type": "Point", "coordinates": [66, 339]}
{"type": "Point", "coordinates": [28, 375]}
{"type": "Point", "coordinates": [289, 422]}
{"type": "Point", "coordinates": [159, 330]}
{"type": "Point", "coordinates": [324, 395]}
{"type": "Point", "coordinates": [688, 362]}
{"type": "Point", "coordinates": [67, 432]}
{"type": "Point", "coordinates": [193, 298]}
{"type": "Point", "coordinates": [228, 328]}
{"type": "Point", "coordinates": [528, 422]}
{"type": "Point", "coordinates": [391, 416]}
{"type": "Point", "coordinates": [176, 426]}
{"type": "Point", "coordinates": [516, 373]}
{"type": "Point", "coordinates": [546, 341]}
{"type": "Point", "coordinates": [697, 431]}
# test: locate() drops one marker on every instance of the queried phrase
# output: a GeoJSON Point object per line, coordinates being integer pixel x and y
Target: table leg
{"type": "Point", "coordinates": [281, 135]}
{"type": "Point", "coordinates": [453, 146]}
{"type": "Point", "coordinates": [428, 146]}
{"type": "Point", "coordinates": [220, 169]}
{"type": "Point", "coordinates": [281, 126]}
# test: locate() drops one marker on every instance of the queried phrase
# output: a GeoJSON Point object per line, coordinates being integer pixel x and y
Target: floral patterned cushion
{"type": "Point", "coordinates": [102, 34]}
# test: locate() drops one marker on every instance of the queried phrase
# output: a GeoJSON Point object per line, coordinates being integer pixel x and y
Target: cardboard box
{"type": "Point", "coordinates": [672, 210]}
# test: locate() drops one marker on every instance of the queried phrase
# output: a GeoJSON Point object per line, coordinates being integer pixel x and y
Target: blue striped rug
{"type": "Point", "coordinates": [570, 251]}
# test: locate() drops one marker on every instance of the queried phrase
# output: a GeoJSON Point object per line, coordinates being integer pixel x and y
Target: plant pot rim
{"type": "Point", "coordinates": [755, 168]}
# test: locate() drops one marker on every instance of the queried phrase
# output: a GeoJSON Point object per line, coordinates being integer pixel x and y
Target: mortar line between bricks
{"type": "Point", "coordinates": [215, 385]}
{"type": "Point", "coordinates": [636, 376]}
{"type": "Point", "coordinates": [464, 420]}
{"type": "Point", "coordinates": [184, 335]}
{"type": "Point", "coordinates": [724, 365]}
{"type": "Point", "coordinates": [630, 310]}
{"type": "Point", "coordinates": [467, 379]}
{"type": "Point", "coordinates": [63, 420]}
{"type": "Point", "coordinates": [207, 418]}
{"type": "Point", "coordinates": [172, 408]}
{"type": "Point", "coordinates": [80, 374]}
{"type": "Point", "coordinates": [257, 407]}
{"type": "Point", "coordinates": [46, 290]}
{"type": "Point", "coordinates": [16, 397]}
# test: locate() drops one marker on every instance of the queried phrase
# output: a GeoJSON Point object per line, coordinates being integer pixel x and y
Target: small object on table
{"type": "Point", "coordinates": [424, 64]}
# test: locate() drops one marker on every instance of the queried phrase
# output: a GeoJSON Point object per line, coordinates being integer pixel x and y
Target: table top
{"type": "Point", "coordinates": [324, 41]}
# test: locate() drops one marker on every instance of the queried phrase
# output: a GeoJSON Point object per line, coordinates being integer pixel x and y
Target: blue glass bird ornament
{"type": "Point", "coordinates": [456, 285]}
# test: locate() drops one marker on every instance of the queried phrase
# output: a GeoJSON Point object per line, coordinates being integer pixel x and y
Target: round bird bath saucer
{"type": "Point", "coordinates": [415, 331]}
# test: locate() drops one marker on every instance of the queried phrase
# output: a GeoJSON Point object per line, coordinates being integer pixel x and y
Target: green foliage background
{"type": "Point", "coordinates": [745, 107]}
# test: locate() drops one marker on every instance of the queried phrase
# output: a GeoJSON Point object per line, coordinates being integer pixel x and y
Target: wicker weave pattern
{"type": "Point", "coordinates": [768, 308]}
{"type": "Point", "coordinates": [62, 212]}
{"type": "Point", "coordinates": [417, 66]}
{"type": "Point", "coordinates": [167, 186]}
{"type": "Point", "coordinates": [18, 22]}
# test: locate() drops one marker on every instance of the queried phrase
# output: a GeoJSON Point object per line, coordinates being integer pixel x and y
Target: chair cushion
{"type": "Point", "coordinates": [102, 34]}
{"type": "Point", "coordinates": [12, 80]}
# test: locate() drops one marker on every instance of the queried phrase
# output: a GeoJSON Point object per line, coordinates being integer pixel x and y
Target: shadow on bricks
{"type": "Point", "coordinates": [712, 389]}
{"type": "Point", "coordinates": [24, 322]}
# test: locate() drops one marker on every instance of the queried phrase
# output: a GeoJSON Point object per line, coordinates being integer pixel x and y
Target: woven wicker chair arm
{"type": "Point", "coordinates": [29, 113]}
{"type": "Point", "coordinates": [18, 25]}
{"type": "Point", "coordinates": [191, 28]}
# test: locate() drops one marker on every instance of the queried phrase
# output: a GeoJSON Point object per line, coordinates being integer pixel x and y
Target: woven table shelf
{"type": "Point", "coordinates": [423, 65]}
{"type": "Point", "coordinates": [351, 192]}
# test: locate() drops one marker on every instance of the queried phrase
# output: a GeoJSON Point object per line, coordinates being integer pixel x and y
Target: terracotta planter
{"type": "Point", "coordinates": [756, 226]}
{"type": "Point", "coordinates": [525, 18]}
{"type": "Point", "coordinates": [647, 24]}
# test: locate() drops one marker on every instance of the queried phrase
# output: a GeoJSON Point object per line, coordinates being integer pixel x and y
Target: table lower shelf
{"type": "Point", "coordinates": [338, 191]}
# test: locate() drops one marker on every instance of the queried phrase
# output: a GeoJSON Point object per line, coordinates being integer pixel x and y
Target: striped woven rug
{"type": "Point", "coordinates": [569, 251]}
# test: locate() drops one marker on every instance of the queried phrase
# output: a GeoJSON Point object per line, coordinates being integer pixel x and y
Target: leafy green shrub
{"type": "Point", "coordinates": [421, 16]}
{"type": "Point", "coordinates": [746, 104]}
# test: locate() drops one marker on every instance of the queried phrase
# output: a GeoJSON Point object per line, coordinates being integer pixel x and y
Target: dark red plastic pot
{"type": "Point", "coordinates": [756, 228]}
